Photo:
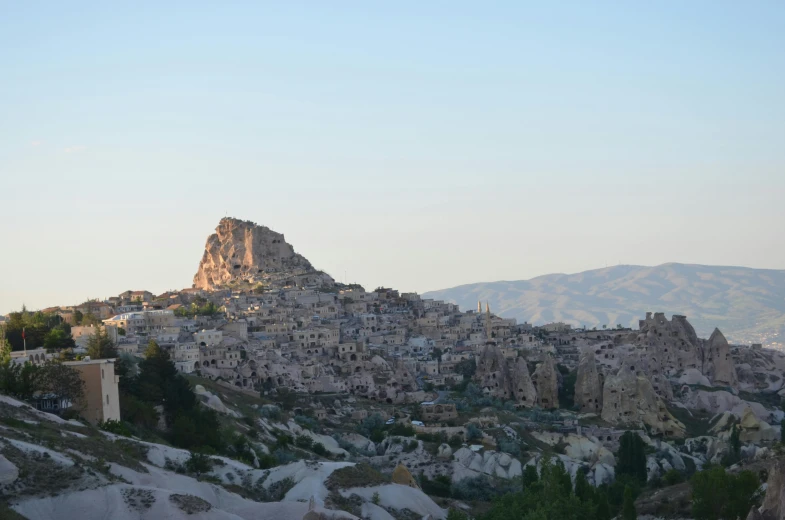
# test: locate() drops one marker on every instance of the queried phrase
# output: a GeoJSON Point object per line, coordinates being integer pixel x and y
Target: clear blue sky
{"type": "Point", "coordinates": [418, 145]}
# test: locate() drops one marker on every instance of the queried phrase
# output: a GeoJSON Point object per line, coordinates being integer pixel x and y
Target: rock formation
{"type": "Point", "coordinates": [773, 507]}
{"type": "Point", "coordinates": [546, 381]}
{"type": "Point", "coordinates": [504, 378]}
{"type": "Point", "coordinates": [402, 476]}
{"type": "Point", "coordinates": [242, 250]}
{"type": "Point", "coordinates": [630, 400]}
{"type": "Point", "coordinates": [588, 386]}
{"type": "Point", "coordinates": [717, 362]}
{"type": "Point", "coordinates": [669, 348]}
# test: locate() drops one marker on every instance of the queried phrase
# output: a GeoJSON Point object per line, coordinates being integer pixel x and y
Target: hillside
{"type": "Point", "coordinates": [748, 305]}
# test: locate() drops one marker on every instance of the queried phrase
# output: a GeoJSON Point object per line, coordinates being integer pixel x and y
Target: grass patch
{"type": "Point", "coordinates": [359, 475]}
{"type": "Point", "coordinates": [6, 513]}
{"type": "Point", "coordinates": [697, 423]}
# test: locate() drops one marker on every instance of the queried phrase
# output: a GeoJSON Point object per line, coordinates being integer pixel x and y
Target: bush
{"type": "Point", "coordinates": [481, 488]}
{"type": "Point", "coordinates": [319, 449]}
{"type": "Point", "coordinates": [438, 486]}
{"type": "Point", "coordinates": [672, 477]}
{"type": "Point", "coordinates": [303, 441]}
{"type": "Point", "coordinates": [402, 430]}
{"type": "Point", "coordinates": [473, 432]}
{"type": "Point", "coordinates": [411, 446]}
{"type": "Point", "coordinates": [509, 446]}
{"type": "Point", "coordinates": [116, 427]}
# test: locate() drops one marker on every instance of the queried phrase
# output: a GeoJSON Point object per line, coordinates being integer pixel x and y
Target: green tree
{"type": "Point", "coordinates": [530, 478]}
{"type": "Point", "coordinates": [62, 381]}
{"type": "Point", "coordinates": [719, 495]}
{"type": "Point", "coordinates": [99, 346]}
{"type": "Point", "coordinates": [735, 441]}
{"type": "Point", "coordinates": [583, 490]}
{"type": "Point", "coordinates": [58, 339]}
{"type": "Point", "coordinates": [632, 457]}
{"type": "Point", "coordinates": [466, 367]}
{"type": "Point", "coordinates": [198, 463]}
{"type": "Point", "coordinates": [628, 509]}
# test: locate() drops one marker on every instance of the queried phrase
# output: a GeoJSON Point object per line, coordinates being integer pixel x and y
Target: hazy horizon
{"type": "Point", "coordinates": [414, 146]}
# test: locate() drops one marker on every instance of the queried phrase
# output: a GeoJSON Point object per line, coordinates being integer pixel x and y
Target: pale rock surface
{"type": "Point", "coordinates": [721, 401]}
{"type": "Point", "coordinates": [488, 462]}
{"type": "Point", "coordinates": [8, 471]}
{"type": "Point", "coordinates": [212, 401]}
{"type": "Point", "coordinates": [359, 442]}
{"type": "Point", "coordinates": [693, 376]}
{"type": "Point", "coordinates": [444, 451]}
{"type": "Point", "coordinates": [717, 362]}
{"type": "Point", "coordinates": [578, 447]}
{"type": "Point", "coordinates": [588, 387]}
{"type": "Point", "coordinates": [630, 400]}
{"type": "Point", "coordinates": [546, 381]}
{"type": "Point", "coordinates": [755, 430]}
{"type": "Point", "coordinates": [505, 379]}
{"type": "Point", "coordinates": [396, 496]}
{"type": "Point", "coordinates": [773, 506]}
{"type": "Point", "coordinates": [241, 250]}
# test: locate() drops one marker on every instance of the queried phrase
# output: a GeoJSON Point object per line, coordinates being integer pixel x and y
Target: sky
{"type": "Point", "coordinates": [418, 145]}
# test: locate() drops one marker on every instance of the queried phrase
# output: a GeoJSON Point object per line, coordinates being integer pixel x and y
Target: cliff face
{"type": "Point", "coordinates": [588, 387]}
{"type": "Point", "coordinates": [505, 379]}
{"type": "Point", "coordinates": [242, 250]}
{"type": "Point", "coordinates": [671, 347]}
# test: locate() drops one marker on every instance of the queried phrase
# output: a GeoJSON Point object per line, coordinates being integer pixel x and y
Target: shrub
{"type": "Point", "coordinates": [473, 432]}
{"type": "Point", "coordinates": [402, 430]}
{"type": "Point", "coordinates": [303, 441]}
{"type": "Point", "coordinates": [672, 477]}
{"type": "Point", "coordinates": [509, 446]}
{"type": "Point", "coordinates": [319, 449]}
{"type": "Point", "coordinates": [116, 427]}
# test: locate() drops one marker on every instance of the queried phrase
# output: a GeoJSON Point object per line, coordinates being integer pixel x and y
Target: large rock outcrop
{"type": "Point", "coordinates": [630, 400]}
{"type": "Point", "coordinates": [505, 378]}
{"type": "Point", "coordinates": [670, 348]}
{"type": "Point", "coordinates": [717, 362]}
{"type": "Point", "coordinates": [588, 386]}
{"type": "Point", "coordinates": [242, 250]}
{"type": "Point", "coordinates": [546, 381]}
{"type": "Point", "coordinates": [773, 507]}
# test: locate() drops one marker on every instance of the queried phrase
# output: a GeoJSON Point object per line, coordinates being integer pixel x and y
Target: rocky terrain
{"type": "Point", "coordinates": [335, 402]}
{"type": "Point", "coordinates": [243, 251]}
{"type": "Point", "coordinates": [748, 305]}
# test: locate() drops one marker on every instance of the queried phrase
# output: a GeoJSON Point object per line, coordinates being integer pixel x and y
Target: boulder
{"type": "Point", "coordinates": [488, 462]}
{"type": "Point", "coordinates": [444, 451]}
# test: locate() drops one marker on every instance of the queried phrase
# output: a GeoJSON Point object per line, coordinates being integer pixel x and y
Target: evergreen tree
{"type": "Point", "coordinates": [632, 457]}
{"type": "Point", "coordinates": [99, 346]}
{"type": "Point", "coordinates": [628, 509]}
{"type": "Point", "coordinates": [530, 477]}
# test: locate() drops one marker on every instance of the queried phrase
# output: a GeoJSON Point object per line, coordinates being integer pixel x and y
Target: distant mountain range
{"type": "Point", "coordinates": [748, 305]}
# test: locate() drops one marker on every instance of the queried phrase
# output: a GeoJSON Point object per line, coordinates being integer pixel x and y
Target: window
{"type": "Point", "coordinates": [102, 373]}
{"type": "Point", "coordinates": [107, 399]}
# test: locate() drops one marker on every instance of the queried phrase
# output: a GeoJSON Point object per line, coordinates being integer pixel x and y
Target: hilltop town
{"type": "Point", "coordinates": [418, 392]}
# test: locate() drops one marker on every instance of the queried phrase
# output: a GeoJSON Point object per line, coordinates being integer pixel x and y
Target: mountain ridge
{"type": "Point", "coordinates": [745, 302]}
